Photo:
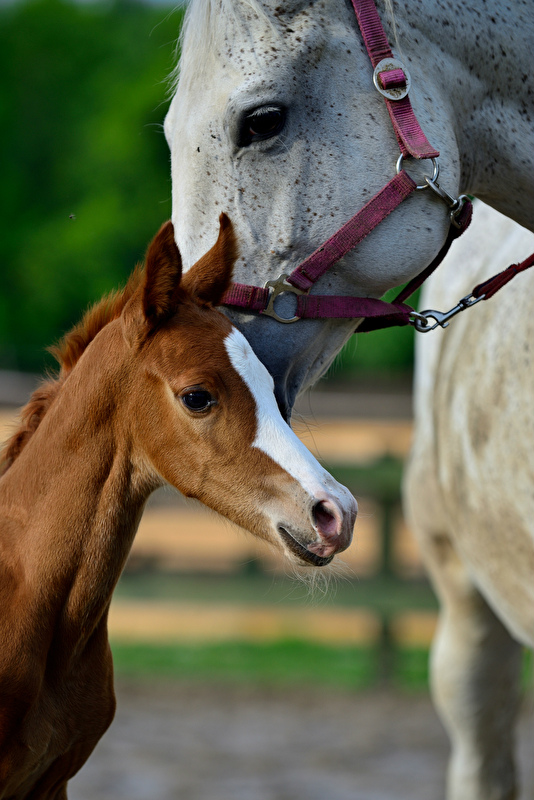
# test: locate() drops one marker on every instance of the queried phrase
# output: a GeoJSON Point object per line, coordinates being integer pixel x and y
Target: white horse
{"type": "Point", "coordinates": [469, 492]}
{"type": "Point", "coordinates": [276, 120]}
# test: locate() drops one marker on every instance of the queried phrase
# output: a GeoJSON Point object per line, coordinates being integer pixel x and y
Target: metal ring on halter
{"type": "Point", "coordinates": [419, 321]}
{"type": "Point", "coordinates": [279, 286]}
{"type": "Point", "coordinates": [434, 177]}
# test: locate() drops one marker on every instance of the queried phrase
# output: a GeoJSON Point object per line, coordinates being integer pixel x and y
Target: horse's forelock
{"type": "Point", "coordinates": [203, 32]}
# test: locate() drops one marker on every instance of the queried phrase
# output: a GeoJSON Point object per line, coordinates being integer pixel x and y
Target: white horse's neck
{"type": "Point", "coordinates": [476, 63]}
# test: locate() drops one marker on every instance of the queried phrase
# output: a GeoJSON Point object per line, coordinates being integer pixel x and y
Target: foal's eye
{"type": "Point", "coordinates": [198, 400]}
{"type": "Point", "coordinates": [261, 123]}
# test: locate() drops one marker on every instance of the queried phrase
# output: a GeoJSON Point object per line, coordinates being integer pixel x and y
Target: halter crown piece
{"type": "Point", "coordinates": [392, 80]}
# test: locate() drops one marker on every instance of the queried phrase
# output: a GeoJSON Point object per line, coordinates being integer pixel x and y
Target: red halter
{"type": "Point", "coordinates": [392, 80]}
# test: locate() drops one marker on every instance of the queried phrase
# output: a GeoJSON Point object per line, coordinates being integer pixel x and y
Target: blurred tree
{"type": "Point", "coordinates": [85, 167]}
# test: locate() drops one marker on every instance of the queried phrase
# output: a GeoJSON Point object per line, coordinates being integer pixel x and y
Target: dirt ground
{"type": "Point", "coordinates": [178, 742]}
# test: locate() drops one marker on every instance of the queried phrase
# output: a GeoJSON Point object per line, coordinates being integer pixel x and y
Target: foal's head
{"type": "Point", "coordinates": [181, 390]}
{"type": "Point", "coordinates": [204, 415]}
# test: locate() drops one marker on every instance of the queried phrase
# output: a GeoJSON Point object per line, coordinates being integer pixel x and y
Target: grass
{"type": "Point", "coordinates": [281, 663]}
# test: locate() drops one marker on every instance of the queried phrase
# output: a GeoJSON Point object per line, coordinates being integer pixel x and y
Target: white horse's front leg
{"type": "Point", "coordinates": [475, 675]}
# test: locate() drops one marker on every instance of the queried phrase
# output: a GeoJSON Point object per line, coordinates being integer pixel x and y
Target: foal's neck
{"type": "Point", "coordinates": [73, 500]}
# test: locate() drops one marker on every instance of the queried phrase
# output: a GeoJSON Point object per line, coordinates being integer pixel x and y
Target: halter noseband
{"type": "Point", "coordinates": [392, 80]}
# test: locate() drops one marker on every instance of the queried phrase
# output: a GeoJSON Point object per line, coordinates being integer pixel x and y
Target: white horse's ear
{"type": "Point", "coordinates": [163, 272]}
{"type": "Point", "coordinates": [210, 277]}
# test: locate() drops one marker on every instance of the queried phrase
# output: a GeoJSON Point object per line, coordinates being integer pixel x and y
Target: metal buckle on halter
{"type": "Point", "coordinates": [391, 92]}
{"type": "Point", "coordinates": [420, 319]}
{"type": "Point", "coordinates": [276, 287]}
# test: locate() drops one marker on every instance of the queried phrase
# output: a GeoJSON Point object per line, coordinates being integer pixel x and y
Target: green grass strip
{"type": "Point", "coordinates": [272, 663]}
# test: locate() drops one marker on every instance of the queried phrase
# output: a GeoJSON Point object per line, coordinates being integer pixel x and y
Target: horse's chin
{"type": "Point", "coordinates": [303, 555]}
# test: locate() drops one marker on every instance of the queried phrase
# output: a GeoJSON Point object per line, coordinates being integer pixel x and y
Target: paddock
{"type": "Point", "coordinates": [222, 743]}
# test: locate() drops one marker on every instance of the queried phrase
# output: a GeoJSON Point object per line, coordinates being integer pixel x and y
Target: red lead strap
{"type": "Point", "coordinates": [483, 291]}
{"type": "Point", "coordinates": [489, 287]}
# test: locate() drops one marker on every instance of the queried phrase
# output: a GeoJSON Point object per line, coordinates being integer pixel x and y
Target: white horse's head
{"type": "Point", "coordinates": [276, 121]}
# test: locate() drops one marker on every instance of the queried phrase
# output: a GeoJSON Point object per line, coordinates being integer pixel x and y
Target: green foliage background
{"type": "Point", "coordinates": [85, 168]}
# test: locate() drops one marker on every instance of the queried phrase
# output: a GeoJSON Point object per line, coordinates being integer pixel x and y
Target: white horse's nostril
{"type": "Point", "coordinates": [327, 522]}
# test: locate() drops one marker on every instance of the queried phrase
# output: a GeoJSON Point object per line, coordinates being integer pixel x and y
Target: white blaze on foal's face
{"type": "Point", "coordinates": [333, 508]}
{"type": "Point", "coordinates": [273, 436]}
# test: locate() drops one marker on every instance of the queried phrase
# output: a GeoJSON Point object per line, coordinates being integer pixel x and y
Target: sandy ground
{"type": "Point", "coordinates": [178, 742]}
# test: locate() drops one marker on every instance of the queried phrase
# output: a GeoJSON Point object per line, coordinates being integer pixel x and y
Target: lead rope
{"type": "Point", "coordinates": [483, 291]}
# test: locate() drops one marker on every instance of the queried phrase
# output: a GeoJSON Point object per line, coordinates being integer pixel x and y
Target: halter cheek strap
{"type": "Point", "coordinates": [392, 81]}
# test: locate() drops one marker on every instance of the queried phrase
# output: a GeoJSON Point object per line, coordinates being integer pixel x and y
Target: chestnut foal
{"type": "Point", "coordinates": [155, 387]}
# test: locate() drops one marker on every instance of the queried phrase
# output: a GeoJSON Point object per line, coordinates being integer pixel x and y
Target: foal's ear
{"type": "Point", "coordinates": [211, 276]}
{"type": "Point", "coordinates": [163, 271]}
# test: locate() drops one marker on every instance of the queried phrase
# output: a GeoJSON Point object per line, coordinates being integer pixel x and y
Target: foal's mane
{"type": "Point", "coordinates": [67, 353]}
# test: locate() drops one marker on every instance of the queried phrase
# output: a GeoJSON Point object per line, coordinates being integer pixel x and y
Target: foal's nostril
{"type": "Point", "coordinates": [326, 522]}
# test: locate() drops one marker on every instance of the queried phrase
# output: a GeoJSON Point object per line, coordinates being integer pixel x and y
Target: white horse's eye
{"type": "Point", "coordinates": [261, 123]}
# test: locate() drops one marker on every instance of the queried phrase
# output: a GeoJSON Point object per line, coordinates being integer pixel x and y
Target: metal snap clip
{"type": "Point", "coordinates": [420, 320]}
